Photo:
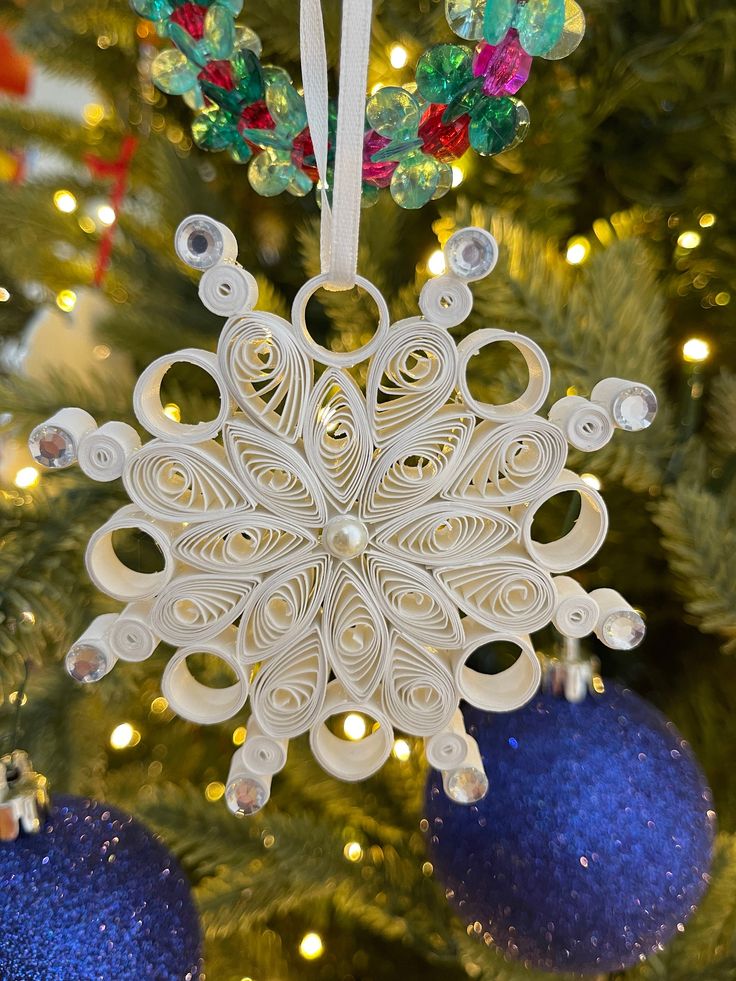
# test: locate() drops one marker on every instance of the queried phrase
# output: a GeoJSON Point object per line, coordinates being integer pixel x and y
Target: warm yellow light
{"type": "Point", "coordinates": [93, 113]}
{"type": "Point", "coordinates": [571, 390]}
{"type": "Point", "coordinates": [578, 250]}
{"type": "Point", "coordinates": [354, 726]}
{"type": "Point", "coordinates": [707, 220]}
{"type": "Point", "coordinates": [688, 240]}
{"type": "Point", "coordinates": [401, 750]}
{"type": "Point", "coordinates": [427, 869]}
{"type": "Point", "coordinates": [65, 201]}
{"type": "Point", "coordinates": [377, 88]}
{"type": "Point", "coordinates": [101, 351]}
{"type": "Point", "coordinates": [13, 698]}
{"type": "Point", "coordinates": [398, 56]}
{"type": "Point", "coordinates": [159, 705]}
{"type": "Point", "coordinates": [172, 410]}
{"type": "Point", "coordinates": [695, 350]}
{"type": "Point", "coordinates": [352, 851]}
{"type": "Point", "coordinates": [436, 262]}
{"type": "Point", "coordinates": [86, 224]}
{"type": "Point", "coordinates": [214, 791]}
{"type": "Point", "coordinates": [4, 295]}
{"type": "Point", "coordinates": [458, 175]}
{"type": "Point", "coordinates": [591, 480]}
{"type": "Point", "coordinates": [106, 214]}
{"type": "Point", "coordinates": [26, 477]}
{"type": "Point", "coordinates": [723, 298]}
{"type": "Point", "coordinates": [28, 616]}
{"type": "Point", "coordinates": [311, 946]}
{"type": "Point", "coordinates": [66, 300]}
{"type": "Point", "coordinates": [239, 736]}
{"type": "Point", "coordinates": [122, 736]}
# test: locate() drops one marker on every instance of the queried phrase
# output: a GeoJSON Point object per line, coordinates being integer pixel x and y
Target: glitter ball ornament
{"type": "Point", "coordinates": [593, 843]}
{"type": "Point", "coordinates": [95, 895]}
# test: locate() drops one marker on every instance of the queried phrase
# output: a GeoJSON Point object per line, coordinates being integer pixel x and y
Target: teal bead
{"type": "Point", "coordinates": [212, 130]}
{"type": "Point", "coordinates": [522, 123]}
{"type": "Point", "coordinates": [396, 149]}
{"type": "Point", "coordinates": [234, 6]}
{"type": "Point", "coordinates": [270, 173]}
{"type": "Point", "coordinates": [392, 110]}
{"type": "Point", "coordinates": [300, 184]}
{"type": "Point", "coordinates": [443, 71]}
{"type": "Point", "coordinates": [493, 126]}
{"type": "Point", "coordinates": [246, 38]}
{"type": "Point", "coordinates": [415, 180]}
{"type": "Point", "coordinates": [444, 182]}
{"type": "Point", "coordinates": [268, 139]}
{"type": "Point", "coordinates": [219, 32]}
{"type": "Point", "coordinates": [369, 197]}
{"type": "Point", "coordinates": [247, 69]}
{"type": "Point", "coordinates": [540, 24]}
{"type": "Point", "coordinates": [153, 9]}
{"type": "Point", "coordinates": [194, 99]}
{"type": "Point", "coordinates": [465, 101]}
{"type": "Point", "coordinates": [465, 18]}
{"type": "Point", "coordinates": [240, 151]}
{"type": "Point", "coordinates": [498, 19]}
{"type": "Point", "coordinates": [284, 103]}
{"type": "Point", "coordinates": [172, 72]}
{"type": "Point", "coordinates": [195, 51]}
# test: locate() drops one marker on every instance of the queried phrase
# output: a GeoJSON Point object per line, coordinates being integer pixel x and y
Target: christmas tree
{"type": "Point", "coordinates": [615, 222]}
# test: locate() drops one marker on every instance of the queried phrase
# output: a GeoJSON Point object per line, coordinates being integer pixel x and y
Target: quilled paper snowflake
{"type": "Point", "coordinates": [346, 551]}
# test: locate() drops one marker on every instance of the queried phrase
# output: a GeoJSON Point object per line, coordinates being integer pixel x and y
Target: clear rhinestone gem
{"type": "Point", "coordinates": [471, 253]}
{"type": "Point", "coordinates": [467, 785]}
{"type": "Point", "coordinates": [52, 447]}
{"type": "Point", "coordinates": [465, 17]}
{"type": "Point", "coordinates": [623, 629]}
{"type": "Point", "coordinates": [86, 663]}
{"type": "Point", "coordinates": [245, 795]}
{"type": "Point", "coordinates": [572, 32]}
{"type": "Point", "coordinates": [634, 408]}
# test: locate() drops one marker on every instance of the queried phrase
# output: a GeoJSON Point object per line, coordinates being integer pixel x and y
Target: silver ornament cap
{"type": "Point", "coordinates": [24, 797]}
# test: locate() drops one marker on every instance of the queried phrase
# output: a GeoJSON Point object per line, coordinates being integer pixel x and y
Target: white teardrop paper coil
{"type": "Point", "coordinates": [438, 488]}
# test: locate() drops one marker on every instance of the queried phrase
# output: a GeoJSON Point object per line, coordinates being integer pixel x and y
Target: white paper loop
{"type": "Point", "coordinates": [507, 690]}
{"type": "Point", "coordinates": [106, 570]}
{"type": "Point", "coordinates": [537, 364]}
{"type": "Point", "coordinates": [446, 301]}
{"type": "Point", "coordinates": [195, 701]}
{"type": "Point", "coordinates": [227, 290]}
{"type": "Point", "coordinates": [102, 452]}
{"type": "Point", "coordinates": [262, 753]}
{"type": "Point", "coordinates": [576, 613]}
{"type": "Point", "coordinates": [96, 638]}
{"type": "Point", "coordinates": [130, 637]}
{"type": "Point", "coordinates": [447, 749]}
{"type": "Point", "coordinates": [586, 426]}
{"type": "Point", "coordinates": [345, 759]}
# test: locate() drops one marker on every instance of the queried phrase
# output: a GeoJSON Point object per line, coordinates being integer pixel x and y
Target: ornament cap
{"type": "Point", "coordinates": [24, 797]}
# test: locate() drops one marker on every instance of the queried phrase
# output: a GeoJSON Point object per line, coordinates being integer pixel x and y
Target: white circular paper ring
{"type": "Point", "coordinates": [147, 398]}
{"type": "Point", "coordinates": [110, 575]}
{"type": "Point", "coordinates": [102, 453]}
{"type": "Point", "coordinates": [584, 539]}
{"type": "Point", "coordinates": [576, 613]}
{"type": "Point", "coordinates": [509, 689]}
{"type": "Point", "coordinates": [263, 754]}
{"type": "Point", "coordinates": [196, 702]}
{"type": "Point", "coordinates": [537, 364]}
{"type": "Point", "coordinates": [587, 426]}
{"type": "Point", "coordinates": [345, 759]}
{"type": "Point", "coordinates": [335, 359]}
{"type": "Point", "coordinates": [446, 301]}
{"type": "Point", "coordinates": [227, 289]}
{"type": "Point", "coordinates": [130, 636]}
{"type": "Point", "coordinates": [446, 750]}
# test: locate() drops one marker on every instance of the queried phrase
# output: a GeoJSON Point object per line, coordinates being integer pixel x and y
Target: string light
{"type": "Point", "coordinates": [354, 726]}
{"type": "Point", "coordinates": [688, 240]}
{"type": "Point", "coordinates": [123, 736]}
{"type": "Point", "coordinates": [707, 220]}
{"type": "Point", "coordinates": [352, 851]}
{"type": "Point", "coordinates": [239, 736]}
{"type": "Point", "coordinates": [377, 88]}
{"type": "Point", "coordinates": [695, 350]}
{"type": "Point", "coordinates": [723, 299]}
{"type": "Point", "coordinates": [458, 175]}
{"type": "Point", "coordinates": [101, 351]}
{"type": "Point", "coordinates": [4, 295]}
{"type": "Point", "coordinates": [591, 480]}
{"type": "Point", "coordinates": [65, 201]}
{"type": "Point", "coordinates": [436, 262]}
{"type": "Point", "coordinates": [66, 300]}
{"type": "Point", "coordinates": [311, 946]}
{"type": "Point", "coordinates": [87, 224]}
{"type": "Point", "coordinates": [401, 750]}
{"type": "Point", "coordinates": [214, 791]}
{"type": "Point", "coordinates": [172, 410]}
{"type": "Point", "coordinates": [398, 56]}
{"type": "Point", "coordinates": [26, 477]}
{"type": "Point", "coordinates": [159, 705]}
{"type": "Point", "coordinates": [13, 698]}
{"type": "Point", "coordinates": [578, 250]}
{"type": "Point", "coordinates": [93, 113]}
{"type": "Point", "coordinates": [106, 214]}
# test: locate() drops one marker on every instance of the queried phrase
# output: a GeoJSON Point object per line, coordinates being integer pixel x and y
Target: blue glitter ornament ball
{"type": "Point", "coordinates": [593, 844]}
{"type": "Point", "coordinates": [94, 896]}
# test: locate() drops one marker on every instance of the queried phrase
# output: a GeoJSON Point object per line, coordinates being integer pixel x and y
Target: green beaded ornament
{"type": "Point", "coordinates": [443, 72]}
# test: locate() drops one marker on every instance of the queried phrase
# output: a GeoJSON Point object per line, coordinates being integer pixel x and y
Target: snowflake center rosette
{"type": "Point", "coordinates": [342, 550]}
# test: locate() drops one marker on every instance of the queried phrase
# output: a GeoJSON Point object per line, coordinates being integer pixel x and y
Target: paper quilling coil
{"type": "Point", "coordinates": [510, 463]}
{"type": "Point", "coordinates": [130, 637]}
{"type": "Point", "coordinates": [194, 608]}
{"type": "Point", "coordinates": [446, 301]}
{"type": "Point", "coordinates": [631, 405]}
{"type": "Point", "coordinates": [586, 426]}
{"type": "Point", "coordinates": [147, 398]}
{"type": "Point", "coordinates": [227, 289]}
{"type": "Point", "coordinates": [289, 691]}
{"type": "Point", "coordinates": [182, 483]}
{"type": "Point", "coordinates": [538, 368]}
{"type": "Point", "coordinates": [102, 452]}
{"type": "Point", "coordinates": [447, 749]}
{"type": "Point", "coordinates": [584, 539]}
{"type": "Point", "coordinates": [576, 613]}
{"type": "Point", "coordinates": [619, 626]}
{"type": "Point", "coordinates": [262, 753]}
{"type": "Point", "coordinates": [196, 702]}
{"type": "Point", "coordinates": [345, 759]}
{"type": "Point", "coordinates": [246, 792]}
{"type": "Point", "coordinates": [509, 689]}
{"type": "Point", "coordinates": [411, 375]}
{"type": "Point", "coordinates": [106, 570]}
{"type": "Point", "coordinates": [418, 692]}
{"type": "Point", "coordinates": [268, 375]}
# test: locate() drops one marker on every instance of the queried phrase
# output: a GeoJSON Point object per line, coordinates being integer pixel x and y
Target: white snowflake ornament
{"type": "Point", "coordinates": [345, 551]}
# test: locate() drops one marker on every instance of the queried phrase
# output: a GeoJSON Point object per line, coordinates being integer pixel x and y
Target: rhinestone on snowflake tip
{"type": "Point", "coordinates": [623, 630]}
{"type": "Point", "coordinates": [246, 795]}
{"type": "Point", "coordinates": [86, 663]}
{"type": "Point", "coordinates": [466, 785]}
{"type": "Point", "coordinates": [52, 447]}
{"type": "Point", "coordinates": [471, 253]}
{"type": "Point", "coordinates": [634, 408]}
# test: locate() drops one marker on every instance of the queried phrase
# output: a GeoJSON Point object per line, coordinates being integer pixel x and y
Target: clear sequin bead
{"type": "Point", "coordinates": [572, 32]}
{"type": "Point", "coordinates": [623, 630]}
{"type": "Point", "coordinates": [467, 785]}
{"type": "Point", "coordinates": [471, 253]}
{"type": "Point", "coordinates": [245, 795]}
{"type": "Point", "coordinates": [634, 408]}
{"type": "Point", "coordinates": [465, 17]}
{"type": "Point", "coordinates": [52, 447]}
{"type": "Point", "coordinates": [86, 663]}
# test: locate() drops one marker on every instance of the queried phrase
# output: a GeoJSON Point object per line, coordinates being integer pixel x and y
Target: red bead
{"type": "Point", "coordinates": [190, 16]}
{"type": "Point", "coordinates": [443, 141]}
{"type": "Point", "coordinates": [301, 149]}
{"type": "Point", "coordinates": [218, 73]}
{"type": "Point", "coordinates": [256, 116]}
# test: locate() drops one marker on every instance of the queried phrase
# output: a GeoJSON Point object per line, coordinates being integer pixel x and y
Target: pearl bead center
{"type": "Point", "coordinates": [345, 536]}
